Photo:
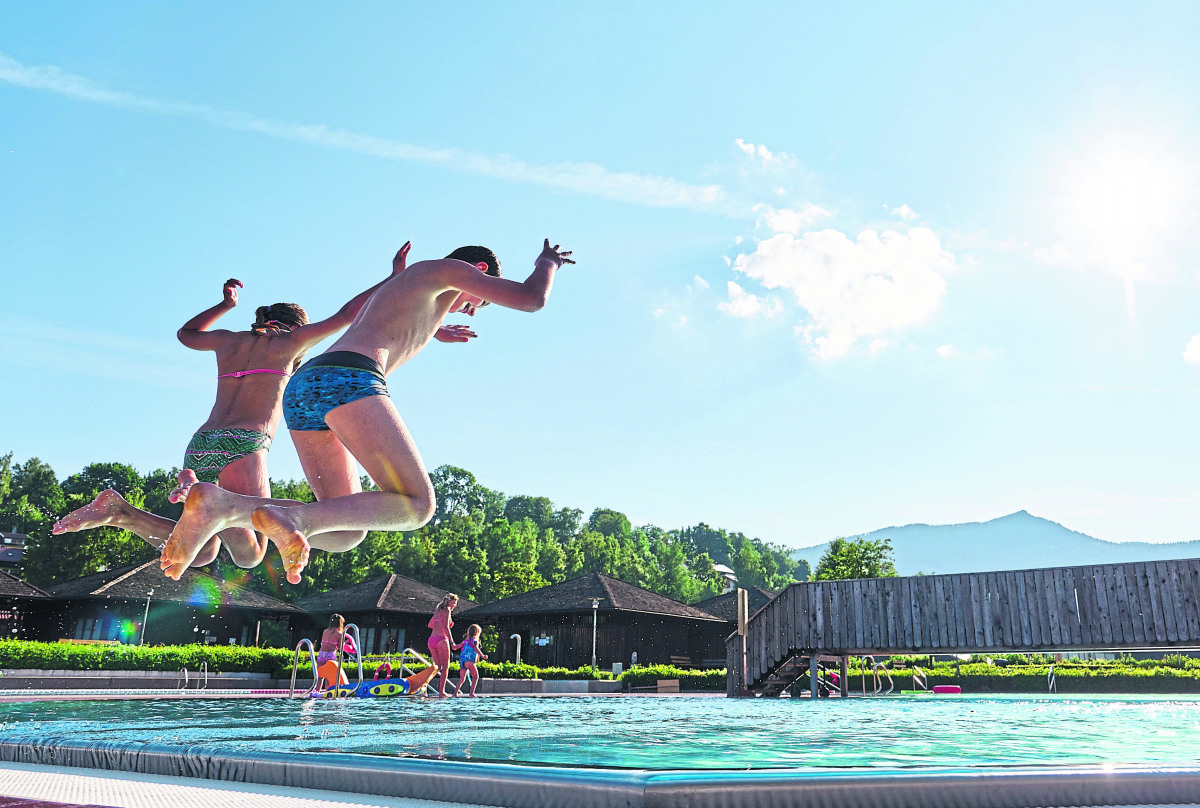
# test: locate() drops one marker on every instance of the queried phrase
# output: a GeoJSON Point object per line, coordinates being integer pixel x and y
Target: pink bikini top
{"type": "Point", "coordinates": [237, 374]}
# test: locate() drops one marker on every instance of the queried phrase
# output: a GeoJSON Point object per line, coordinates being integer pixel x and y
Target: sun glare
{"type": "Point", "coordinates": [1122, 199]}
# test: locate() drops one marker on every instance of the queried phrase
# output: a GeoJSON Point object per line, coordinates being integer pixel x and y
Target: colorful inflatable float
{"type": "Point", "coordinates": [375, 689]}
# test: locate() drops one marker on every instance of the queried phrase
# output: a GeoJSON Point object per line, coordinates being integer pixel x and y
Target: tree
{"type": "Point", "coordinates": [36, 481]}
{"type": "Point", "coordinates": [856, 558]}
{"type": "Point", "coordinates": [566, 522]}
{"type": "Point", "coordinates": [748, 566]}
{"type": "Point", "coordinates": [458, 492]}
{"type": "Point", "coordinates": [5, 477]}
{"type": "Point", "coordinates": [538, 510]}
{"type": "Point", "coordinates": [705, 539]}
{"type": "Point", "coordinates": [610, 523]}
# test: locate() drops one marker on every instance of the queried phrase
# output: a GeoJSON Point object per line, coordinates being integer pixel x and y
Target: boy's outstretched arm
{"type": "Point", "coordinates": [528, 295]}
{"type": "Point", "coordinates": [195, 334]}
{"type": "Point", "coordinates": [313, 333]}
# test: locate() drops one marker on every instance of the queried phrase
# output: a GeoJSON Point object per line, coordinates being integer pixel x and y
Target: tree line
{"type": "Point", "coordinates": [481, 544]}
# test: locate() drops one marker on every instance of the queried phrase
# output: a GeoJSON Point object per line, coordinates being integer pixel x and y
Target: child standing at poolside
{"type": "Point", "coordinates": [467, 657]}
{"type": "Point", "coordinates": [340, 415]}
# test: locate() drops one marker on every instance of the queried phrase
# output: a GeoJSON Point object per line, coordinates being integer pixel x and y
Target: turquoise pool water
{"type": "Point", "coordinates": [657, 733]}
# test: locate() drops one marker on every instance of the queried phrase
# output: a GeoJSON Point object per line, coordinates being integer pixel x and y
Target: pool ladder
{"type": "Point", "coordinates": [876, 669]}
{"type": "Point", "coordinates": [350, 631]}
{"type": "Point", "coordinates": [201, 676]}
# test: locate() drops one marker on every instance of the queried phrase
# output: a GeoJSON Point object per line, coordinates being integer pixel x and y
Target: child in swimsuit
{"type": "Point", "coordinates": [442, 640]}
{"type": "Point", "coordinates": [340, 416]}
{"type": "Point", "coordinates": [230, 448]}
{"type": "Point", "coordinates": [467, 657]}
{"type": "Point", "coordinates": [333, 639]}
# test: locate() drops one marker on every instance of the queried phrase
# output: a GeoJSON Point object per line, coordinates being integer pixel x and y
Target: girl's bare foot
{"type": "Point", "coordinates": [187, 478]}
{"type": "Point", "coordinates": [105, 509]}
{"type": "Point", "coordinates": [282, 530]}
{"type": "Point", "coordinates": [206, 511]}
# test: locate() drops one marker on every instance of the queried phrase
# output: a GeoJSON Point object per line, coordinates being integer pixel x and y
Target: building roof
{"type": "Point", "coordinates": [577, 594]}
{"type": "Point", "coordinates": [388, 593]}
{"type": "Point", "coordinates": [11, 555]}
{"type": "Point", "coordinates": [12, 587]}
{"type": "Point", "coordinates": [725, 606]}
{"type": "Point", "coordinates": [136, 581]}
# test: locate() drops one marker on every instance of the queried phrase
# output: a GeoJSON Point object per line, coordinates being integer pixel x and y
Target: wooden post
{"type": "Point", "coordinates": [743, 617]}
{"type": "Point", "coordinates": [843, 676]}
{"type": "Point", "coordinates": [813, 677]}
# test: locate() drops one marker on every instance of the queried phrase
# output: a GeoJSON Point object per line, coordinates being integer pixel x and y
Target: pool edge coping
{"type": "Point", "coordinates": [520, 786]}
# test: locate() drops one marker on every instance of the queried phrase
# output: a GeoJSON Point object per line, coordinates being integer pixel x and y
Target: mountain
{"type": "Point", "coordinates": [1014, 542]}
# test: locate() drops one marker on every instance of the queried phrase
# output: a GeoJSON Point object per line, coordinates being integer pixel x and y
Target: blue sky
{"type": "Point", "coordinates": [838, 269]}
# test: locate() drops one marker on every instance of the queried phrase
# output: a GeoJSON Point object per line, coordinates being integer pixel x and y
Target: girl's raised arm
{"type": "Point", "coordinates": [309, 335]}
{"type": "Point", "coordinates": [195, 334]}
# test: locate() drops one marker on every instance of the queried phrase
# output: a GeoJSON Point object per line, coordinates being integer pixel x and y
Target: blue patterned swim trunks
{"type": "Point", "coordinates": [326, 383]}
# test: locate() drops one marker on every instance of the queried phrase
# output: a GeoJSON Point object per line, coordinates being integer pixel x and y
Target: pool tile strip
{"type": "Point", "coordinates": [18, 802]}
{"type": "Point", "coordinates": [512, 786]}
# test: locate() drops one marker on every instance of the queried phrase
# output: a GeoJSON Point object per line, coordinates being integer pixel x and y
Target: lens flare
{"type": "Point", "coordinates": [205, 593]}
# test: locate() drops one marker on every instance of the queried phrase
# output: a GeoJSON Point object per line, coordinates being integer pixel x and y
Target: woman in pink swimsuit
{"type": "Point", "coordinates": [230, 448]}
{"type": "Point", "coordinates": [441, 639]}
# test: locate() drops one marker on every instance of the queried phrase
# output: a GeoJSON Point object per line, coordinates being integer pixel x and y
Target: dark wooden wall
{"type": "Point", "coordinates": [1111, 606]}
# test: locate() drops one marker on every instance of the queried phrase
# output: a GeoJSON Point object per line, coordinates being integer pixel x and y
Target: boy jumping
{"type": "Point", "coordinates": [338, 411]}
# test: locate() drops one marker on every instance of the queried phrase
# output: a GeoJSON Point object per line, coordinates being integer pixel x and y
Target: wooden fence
{"type": "Point", "coordinates": [1155, 604]}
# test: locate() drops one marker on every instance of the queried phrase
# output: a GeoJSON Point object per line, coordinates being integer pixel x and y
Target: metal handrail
{"type": "Point", "coordinates": [1051, 681]}
{"type": "Point", "coordinates": [879, 666]}
{"type": "Point", "coordinates": [184, 672]}
{"type": "Point", "coordinates": [869, 661]}
{"type": "Point", "coordinates": [341, 658]}
{"type": "Point", "coordinates": [919, 678]}
{"type": "Point", "coordinates": [203, 672]}
{"type": "Point", "coordinates": [405, 670]}
{"type": "Point", "coordinates": [312, 654]}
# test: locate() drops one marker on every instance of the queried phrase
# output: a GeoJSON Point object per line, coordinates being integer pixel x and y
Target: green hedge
{"type": "Point", "coordinates": [68, 656]}
{"type": "Point", "coordinates": [689, 679]}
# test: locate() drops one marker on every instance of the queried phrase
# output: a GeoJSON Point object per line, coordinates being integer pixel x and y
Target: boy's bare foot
{"type": "Point", "coordinates": [187, 478]}
{"type": "Point", "coordinates": [206, 511]}
{"type": "Point", "coordinates": [281, 529]}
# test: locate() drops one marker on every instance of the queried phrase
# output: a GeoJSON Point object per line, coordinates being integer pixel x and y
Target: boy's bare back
{"type": "Point", "coordinates": [407, 310]}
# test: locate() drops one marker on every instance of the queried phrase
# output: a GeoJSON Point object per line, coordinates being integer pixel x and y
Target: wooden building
{"type": "Point", "coordinates": [20, 602]}
{"type": "Point", "coordinates": [138, 604]}
{"type": "Point", "coordinates": [392, 612]}
{"type": "Point", "coordinates": [555, 624]}
{"type": "Point", "coordinates": [724, 605]}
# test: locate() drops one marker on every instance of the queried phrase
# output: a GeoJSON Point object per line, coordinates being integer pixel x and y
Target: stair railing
{"type": "Point", "coordinates": [919, 679]}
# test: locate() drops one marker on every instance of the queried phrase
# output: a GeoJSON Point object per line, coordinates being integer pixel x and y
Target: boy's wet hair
{"type": "Point", "coordinates": [475, 254]}
{"type": "Point", "coordinates": [289, 315]}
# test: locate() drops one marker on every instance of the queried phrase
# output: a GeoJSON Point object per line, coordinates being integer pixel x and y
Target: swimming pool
{"type": "Point", "coordinates": [679, 737]}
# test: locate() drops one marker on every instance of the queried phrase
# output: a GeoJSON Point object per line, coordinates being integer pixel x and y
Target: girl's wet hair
{"type": "Point", "coordinates": [335, 620]}
{"type": "Point", "coordinates": [475, 254]}
{"type": "Point", "coordinates": [474, 630]}
{"type": "Point", "coordinates": [446, 600]}
{"type": "Point", "coordinates": [279, 315]}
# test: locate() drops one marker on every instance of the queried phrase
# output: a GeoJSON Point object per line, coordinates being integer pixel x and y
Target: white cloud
{"type": "Point", "coordinates": [660, 311]}
{"type": "Point", "coordinates": [589, 179]}
{"type": "Point", "coordinates": [699, 282]}
{"type": "Point", "coordinates": [738, 239]}
{"type": "Point", "coordinates": [905, 212]}
{"type": "Point", "coordinates": [790, 220]}
{"type": "Point", "coordinates": [761, 154]}
{"type": "Point", "coordinates": [947, 351]}
{"type": "Point", "coordinates": [748, 306]}
{"type": "Point", "coordinates": [683, 320]}
{"type": "Point", "coordinates": [879, 345]}
{"type": "Point", "coordinates": [1191, 353]}
{"type": "Point", "coordinates": [852, 290]}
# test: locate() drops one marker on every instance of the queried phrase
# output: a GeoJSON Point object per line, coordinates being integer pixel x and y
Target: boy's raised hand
{"type": "Point", "coordinates": [555, 254]}
{"type": "Point", "coordinates": [401, 259]}
{"type": "Point", "coordinates": [454, 333]}
{"type": "Point", "coordinates": [229, 291]}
